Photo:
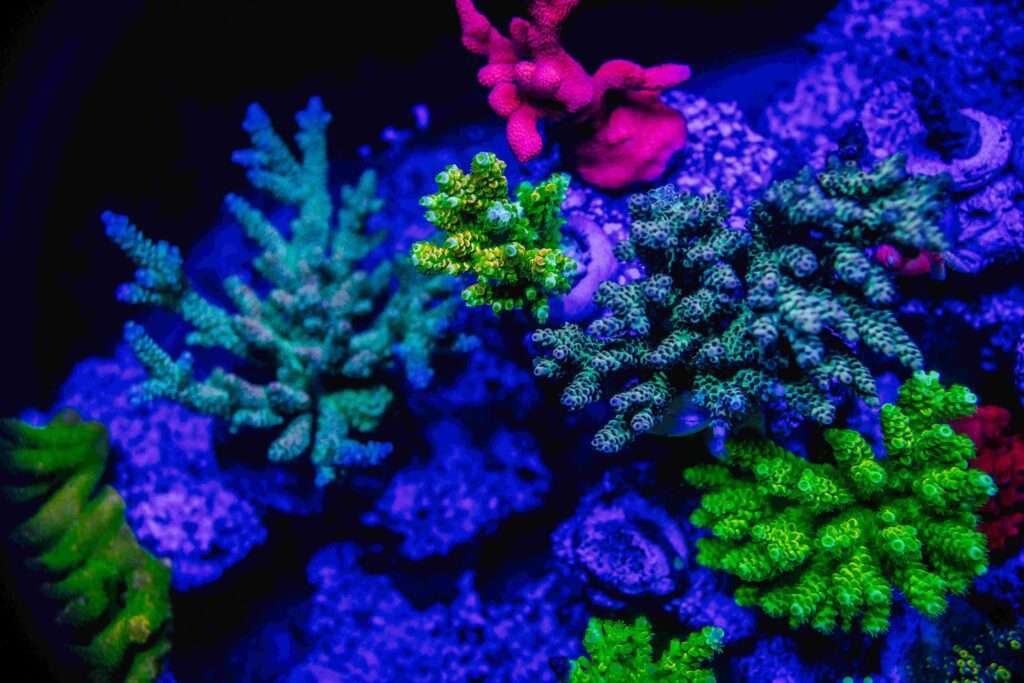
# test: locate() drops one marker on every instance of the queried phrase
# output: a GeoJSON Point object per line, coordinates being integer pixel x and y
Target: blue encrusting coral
{"type": "Point", "coordinates": [771, 318]}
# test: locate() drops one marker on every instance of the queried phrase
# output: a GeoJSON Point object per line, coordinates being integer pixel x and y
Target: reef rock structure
{"type": "Point", "coordinates": [512, 248]}
{"type": "Point", "coordinates": [825, 543]}
{"type": "Point", "coordinates": [329, 330]}
{"type": "Point", "coordinates": [108, 596]}
{"type": "Point", "coordinates": [462, 492]}
{"type": "Point", "coordinates": [776, 316]}
{"type": "Point", "coordinates": [626, 134]}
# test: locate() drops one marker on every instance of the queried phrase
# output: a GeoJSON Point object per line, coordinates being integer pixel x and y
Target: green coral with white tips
{"type": "Point", "coordinates": [513, 248]}
{"type": "Point", "coordinates": [825, 543]}
{"type": "Point", "coordinates": [109, 597]}
{"type": "Point", "coordinates": [623, 653]}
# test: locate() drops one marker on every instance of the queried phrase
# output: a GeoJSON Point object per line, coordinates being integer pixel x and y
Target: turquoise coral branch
{"type": "Point", "coordinates": [330, 330]}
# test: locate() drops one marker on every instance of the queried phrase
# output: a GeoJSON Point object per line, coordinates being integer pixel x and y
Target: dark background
{"type": "Point", "coordinates": [137, 106]}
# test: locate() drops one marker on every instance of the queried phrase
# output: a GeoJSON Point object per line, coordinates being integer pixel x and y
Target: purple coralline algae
{"type": "Point", "coordinates": [201, 526]}
{"type": "Point", "coordinates": [708, 601]}
{"type": "Point", "coordinates": [723, 153]}
{"type": "Point", "coordinates": [146, 435]}
{"type": "Point", "coordinates": [774, 660]}
{"type": "Point", "coordinates": [488, 380]}
{"type": "Point", "coordinates": [995, 323]}
{"type": "Point", "coordinates": [166, 472]}
{"type": "Point", "coordinates": [623, 548]}
{"type": "Point", "coordinates": [462, 492]}
{"type": "Point", "coordinates": [975, 48]}
{"type": "Point", "coordinates": [362, 629]}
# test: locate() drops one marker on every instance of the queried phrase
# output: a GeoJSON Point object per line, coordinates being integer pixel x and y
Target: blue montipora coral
{"type": "Point", "coordinates": [329, 330]}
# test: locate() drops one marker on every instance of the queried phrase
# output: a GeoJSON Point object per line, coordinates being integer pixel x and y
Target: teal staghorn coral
{"type": "Point", "coordinates": [513, 248]}
{"type": "Point", "coordinates": [110, 598]}
{"type": "Point", "coordinates": [329, 330]}
{"type": "Point", "coordinates": [778, 315]}
{"type": "Point", "coordinates": [823, 543]}
{"type": "Point", "coordinates": [622, 653]}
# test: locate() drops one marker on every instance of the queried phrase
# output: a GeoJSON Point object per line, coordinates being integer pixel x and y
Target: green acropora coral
{"type": "Point", "coordinates": [329, 331]}
{"type": "Point", "coordinates": [511, 247]}
{"type": "Point", "coordinates": [776, 316]}
{"type": "Point", "coordinates": [826, 543]}
{"type": "Point", "coordinates": [109, 596]}
{"type": "Point", "coordinates": [622, 653]}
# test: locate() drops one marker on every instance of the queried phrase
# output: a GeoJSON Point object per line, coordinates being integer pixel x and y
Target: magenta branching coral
{"type": "Point", "coordinates": [627, 134]}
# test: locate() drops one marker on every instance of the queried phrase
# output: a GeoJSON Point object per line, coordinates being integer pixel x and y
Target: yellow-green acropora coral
{"type": "Point", "coordinates": [824, 543]}
{"type": "Point", "coordinates": [622, 653]}
{"type": "Point", "coordinates": [109, 597]}
{"type": "Point", "coordinates": [511, 247]}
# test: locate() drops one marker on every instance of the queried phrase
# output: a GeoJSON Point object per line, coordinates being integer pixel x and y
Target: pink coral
{"type": "Point", "coordinates": [532, 77]}
{"type": "Point", "coordinates": [1000, 453]}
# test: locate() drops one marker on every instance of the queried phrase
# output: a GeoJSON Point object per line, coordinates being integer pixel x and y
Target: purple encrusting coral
{"type": "Point", "coordinates": [201, 526]}
{"type": "Point", "coordinates": [723, 153]}
{"type": "Point", "coordinates": [623, 548]}
{"type": "Point", "coordinates": [708, 601]}
{"type": "Point", "coordinates": [166, 472]}
{"type": "Point", "coordinates": [487, 380]}
{"type": "Point", "coordinates": [462, 492]}
{"type": "Point", "coordinates": [995, 323]}
{"type": "Point", "coordinates": [773, 660]}
{"type": "Point", "coordinates": [363, 629]}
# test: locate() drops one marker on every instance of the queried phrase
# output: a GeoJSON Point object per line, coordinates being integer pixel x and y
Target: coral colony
{"type": "Point", "coordinates": [761, 297]}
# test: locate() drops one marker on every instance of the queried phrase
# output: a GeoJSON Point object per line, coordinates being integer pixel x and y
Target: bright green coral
{"type": "Point", "coordinates": [826, 543]}
{"type": "Point", "coordinates": [511, 247]}
{"type": "Point", "coordinates": [109, 596]}
{"type": "Point", "coordinates": [329, 331]}
{"type": "Point", "coordinates": [776, 316]}
{"type": "Point", "coordinates": [622, 653]}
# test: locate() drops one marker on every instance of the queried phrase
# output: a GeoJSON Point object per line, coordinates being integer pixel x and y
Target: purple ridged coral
{"type": "Point", "coordinates": [462, 492]}
{"type": "Point", "coordinates": [362, 629]}
{"type": "Point", "coordinates": [623, 548]}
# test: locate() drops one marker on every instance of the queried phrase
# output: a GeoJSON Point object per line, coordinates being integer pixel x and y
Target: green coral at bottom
{"type": "Point", "coordinates": [109, 597]}
{"type": "Point", "coordinates": [622, 653]}
{"type": "Point", "coordinates": [826, 543]}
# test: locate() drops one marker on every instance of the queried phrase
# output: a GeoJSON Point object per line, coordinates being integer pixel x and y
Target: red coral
{"type": "Point", "coordinates": [627, 133]}
{"type": "Point", "coordinates": [1000, 453]}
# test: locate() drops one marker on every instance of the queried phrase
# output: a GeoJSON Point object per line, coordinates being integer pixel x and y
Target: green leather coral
{"type": "Point", "coordinates": [826, 543]}
{"type": "Point", "coordinates": [512, 247]}
{"type": "Point", "coordinates": [109, 596]}
{"type": "Point", "coordinates": [622, 653]}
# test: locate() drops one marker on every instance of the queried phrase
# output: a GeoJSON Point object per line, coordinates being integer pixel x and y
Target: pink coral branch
{"type": "Point", "coordinates": [623, 139]}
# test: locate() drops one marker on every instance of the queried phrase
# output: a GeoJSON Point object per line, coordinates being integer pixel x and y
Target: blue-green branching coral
{"type": "Point", "coordinates": [825, 543]}
{"type": "Point", "coordinates": [622, 653]}
{"type": "Point", "coordinates": [776, 316]}
{"type": "Point", "coordinates": [513, 248]}
{"type": "Point", "coordinates": [109, 597]}
{"type": "Point", "coordinates": [329, 329]}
